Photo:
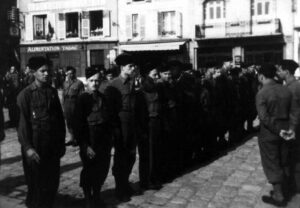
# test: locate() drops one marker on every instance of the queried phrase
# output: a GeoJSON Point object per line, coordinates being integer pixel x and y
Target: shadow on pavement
{"type": "Point", "coordinates": [10, 183]}
{"type": "Point", "coordinates": [11, 160]}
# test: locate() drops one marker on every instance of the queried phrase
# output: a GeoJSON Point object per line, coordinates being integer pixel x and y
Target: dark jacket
{"type": "Point", "coordinates": [273, 103]}
{"type": "Point", "coordinates": [41, 124]}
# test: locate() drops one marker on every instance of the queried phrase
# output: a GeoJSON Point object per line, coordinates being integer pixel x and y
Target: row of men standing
{"type": "Point", "coordinates": [160, 116]}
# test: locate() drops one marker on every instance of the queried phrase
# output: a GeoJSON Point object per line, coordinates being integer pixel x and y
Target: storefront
{"type": "Point", "coordinates": [257, 50]}
{"type": "Point", "coordinates": [158, 51]}
{"type": "Point", "coordinates": [79, 55]}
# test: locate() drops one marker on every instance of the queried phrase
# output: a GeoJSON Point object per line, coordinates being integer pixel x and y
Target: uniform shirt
{"type": "Point", "coordinates": [92, 109]}
{"type": "Point", "coordinates": [72, 88]}
{"type": "Point", "coordinates": [273, 104]}
{"type": "Point", "coordinates": [122, 90]}
{"type": "Point", "coordinates": [41, 124]}
{"type": "Point", "coordinates": [294, 87]}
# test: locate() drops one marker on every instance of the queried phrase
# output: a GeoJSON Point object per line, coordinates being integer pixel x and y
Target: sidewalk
{"type": "Point", "coordinates": [234, 180]}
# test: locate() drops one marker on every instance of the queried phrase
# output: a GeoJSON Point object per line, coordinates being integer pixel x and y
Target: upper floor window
{"type": "Point", "coordinates": [39, 26]}
{"type": "Point", "coordinates": [214, 10]}
{"type": "Point", "coordinates": [168, 23]}
{"type": "Point", "coordinates": [96, 23]}
{"type": "Point", "coordinates": [135, 26]}
{"type": "Point", "coordinates": [262, 8]}
{"type": "Point", "coordinates": [72, 25]}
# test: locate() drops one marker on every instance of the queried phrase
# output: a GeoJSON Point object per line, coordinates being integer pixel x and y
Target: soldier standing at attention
{"type": "Point", "coordinates": [122, 95]}
{"type": "Point", "coordinates": [41, 132]}
{"type": "Point", "coordinates": [273, 103]}
{"type": "Point", "coordinates": [94, 133]}
{"type": "Point", "coordinates": [72, 88]}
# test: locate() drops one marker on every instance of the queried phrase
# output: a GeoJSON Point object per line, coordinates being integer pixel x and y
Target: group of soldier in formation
{"type": "Point", "coordinates": [172, 115]}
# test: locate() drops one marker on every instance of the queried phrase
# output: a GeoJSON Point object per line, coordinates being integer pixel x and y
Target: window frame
{"type": "Point", "coordinates": [214, 11]}
{"type": "Point", "coordinates": [262, 8]}
{"type": "Point", "coordinates": [168, 19]}
{"type": "Point", "coordinates": [67, 22]}
{"type": "Point", "coordinates": [44, 25]}
{"type": "Point", "coordinates": [100, 31]}
{"type": "Point", "coordinates": [135, 25]}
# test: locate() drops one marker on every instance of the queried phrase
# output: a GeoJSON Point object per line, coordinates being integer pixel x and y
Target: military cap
{"type": "Point", "coordinates": [37, 62]}
{"type": "Point", "coordinates": [124, 59]}
{"type": "Point", "coordinates": [90, 71]}
{"type": "Point", "coordinates": [268, 70]}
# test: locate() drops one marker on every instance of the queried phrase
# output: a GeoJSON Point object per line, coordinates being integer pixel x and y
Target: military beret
{"type": "Point", "coordinates": [290, 65]}
{"type": "Point", "coordinates": [37, 62]}
{"type": "Point", "coordinates": [124, 59]}
{"type": "Point", "coordinates": [268, 70]}
{"type": "Point", "coordinates": [70, 68]}
{"type": "Point", "coordinates": [90, 71]}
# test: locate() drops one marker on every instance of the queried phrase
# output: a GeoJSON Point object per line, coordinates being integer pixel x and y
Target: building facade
{"type": "Point", "coordinates": [9, 35]}
{"type": "Point", "coordinates": [92, 32]}
{"type": "Point", "coordinates": [70, 33]}
{"type": "Point", "coordinates": [158, 30]}
{"type": "Point", "coordinates": [254, 31]}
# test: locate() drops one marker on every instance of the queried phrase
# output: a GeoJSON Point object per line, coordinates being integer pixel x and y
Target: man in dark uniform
{"type": "Point", "coordinates": [72, 88]}
{"type": "Point", "coordinates": [121, 95]}
{"type": "Point", "coordinates": [170, 124]}
{"type": "Point", "coordinates": [11, 90]}
{"type": "Point", "coordinates": [41, 132]}
{"type": "Point", "coordinates": [28, 77]}
{"type": "Point", "coordinates": [94, 133]}
{"type": "Point", "coordinates": [149, 145]}
{"type": "Point", "coordinates": [286, 72]}
{"type": "Point", "coordinates": [273, 103]}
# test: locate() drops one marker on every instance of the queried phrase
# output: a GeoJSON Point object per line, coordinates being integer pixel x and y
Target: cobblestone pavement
{"type": "Point", "coordinates": [233, 180]}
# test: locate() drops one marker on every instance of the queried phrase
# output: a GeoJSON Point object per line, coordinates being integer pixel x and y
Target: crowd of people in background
{"type": "Point", "coordinates": [174, 116]}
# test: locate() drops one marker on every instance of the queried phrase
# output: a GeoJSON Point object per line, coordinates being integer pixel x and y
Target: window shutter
{"type": "Point", "coordinates": [129, 26]}
{"type": "Point", "coordinates": [106, 23]}
{"type": "Point", "coordinates": [85, 24]}
{"type": "Point", "coordinates": [61, 26]}
{"type": "Point", "coordinates": [142, 25]}
{"type": "Point", "coordinates": [28, 27]}
{"type": "Point", "coordinates": [51, 23]}
{"type": "Point", "coordinates": [178, 23]}
{"type": "Point", "coordinates": [159, 23]}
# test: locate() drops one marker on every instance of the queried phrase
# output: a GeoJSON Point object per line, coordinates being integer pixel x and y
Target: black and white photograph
{"type": "Point", "coordinates": [149, 103]}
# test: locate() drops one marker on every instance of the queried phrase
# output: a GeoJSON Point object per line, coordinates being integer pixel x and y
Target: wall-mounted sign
{"type": "Point", "coordinates": [36, 49]}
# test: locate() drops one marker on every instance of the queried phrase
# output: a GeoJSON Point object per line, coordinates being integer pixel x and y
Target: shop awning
{"type": "Point", "coordinates": [152, 46]}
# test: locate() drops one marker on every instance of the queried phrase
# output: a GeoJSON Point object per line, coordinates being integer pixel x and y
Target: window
{"type": "Point", "coordinates": [39, 26]}
{"type": "Point", "coordinates": [96, 23]}
{"type": "Point", "coordinates": [168, 23]}
{"type": "Point", "coordinates": [72, 25]}
{"type": "Point", "coordinates": [135, 19]}
{"type": "Point", "coordinates": [214, 10]}
{"type": "Point", "coordinates": [262, 8]}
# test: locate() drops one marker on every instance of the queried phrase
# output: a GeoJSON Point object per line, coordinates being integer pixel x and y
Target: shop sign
{"type": "Point", "coordinates": [36, 49]}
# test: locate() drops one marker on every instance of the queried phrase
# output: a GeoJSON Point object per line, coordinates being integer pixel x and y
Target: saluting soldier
{"type": "Point", "coordinates": [122, 95]}
{"type": "Point", "coordinates": [72, 88]}
{"type": "Point", "coordinates": [94, 133]}
{"type": "Point", "coordinates": [273, 103]}
{"type": "Point", "coordinates": [41, 132]}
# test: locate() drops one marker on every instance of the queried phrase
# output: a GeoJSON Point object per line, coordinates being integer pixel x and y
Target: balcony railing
{"type": "Point", "coordinates": [241, 28]}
